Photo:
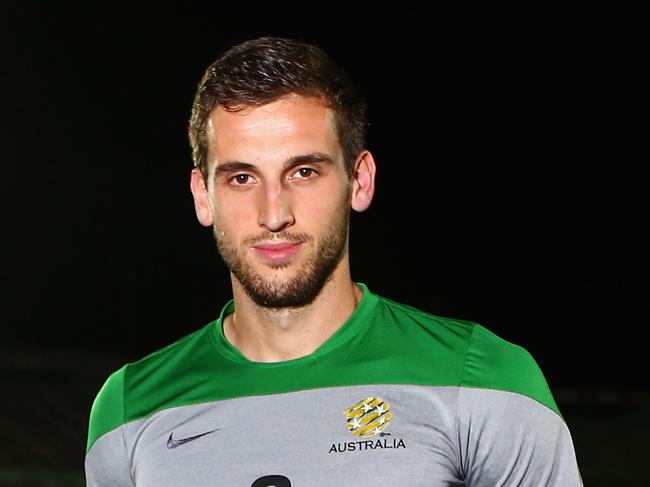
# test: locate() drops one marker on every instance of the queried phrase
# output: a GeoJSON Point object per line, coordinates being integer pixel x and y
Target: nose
{"type": "Point", "coordinates": [275, 212]}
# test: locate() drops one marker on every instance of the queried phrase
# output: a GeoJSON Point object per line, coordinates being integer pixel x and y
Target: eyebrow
{"type": "Point", "coordinates": [234, 166]}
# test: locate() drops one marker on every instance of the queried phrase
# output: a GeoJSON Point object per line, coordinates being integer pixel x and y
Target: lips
{"type": "Point", "coordinates": [277, 252]}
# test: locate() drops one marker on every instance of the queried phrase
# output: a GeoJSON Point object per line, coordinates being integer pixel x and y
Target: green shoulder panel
{"type": "Point", "coordinates": [494, 363]}
{"type": "Point", "coordinates": [107, 412]}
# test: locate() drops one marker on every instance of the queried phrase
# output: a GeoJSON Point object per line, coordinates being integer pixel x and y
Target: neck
{"type": "Point", "coordinates": [279, 334]}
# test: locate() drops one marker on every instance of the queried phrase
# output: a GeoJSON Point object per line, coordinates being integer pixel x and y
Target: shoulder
{"type": "Point", "coordinates": [465, 353]}
{"type": "Point", "coordinates": [492, 362]}
{"type": "Point", "coordinates": [107, 411]}
{"type": "Point", "coordinates": [130, 391]}
{"type": "Point", "coordinates": [431, 349]}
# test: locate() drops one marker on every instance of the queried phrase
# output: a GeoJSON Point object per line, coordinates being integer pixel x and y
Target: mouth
{"type": "Point", "coordinates": [277, 252]}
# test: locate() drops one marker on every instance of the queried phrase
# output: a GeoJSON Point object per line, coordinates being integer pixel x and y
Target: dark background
{"type": "Point", "coordinates": [506, 194]}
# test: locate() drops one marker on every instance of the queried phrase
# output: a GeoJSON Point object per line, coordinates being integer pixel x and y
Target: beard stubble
{"type": "Point", "coordinates": [304, 286]}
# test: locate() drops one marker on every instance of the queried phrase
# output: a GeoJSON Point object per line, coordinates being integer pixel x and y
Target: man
{"type": "Point", "coordinates": [307, 378]}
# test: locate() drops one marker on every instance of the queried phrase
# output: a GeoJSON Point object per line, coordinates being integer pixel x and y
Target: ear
{"type": "Point", "coordinates": [363, 181]}
{"type": "Point", "coordinates": [201, 198]}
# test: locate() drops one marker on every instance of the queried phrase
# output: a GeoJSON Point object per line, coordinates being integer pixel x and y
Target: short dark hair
{"type": "Point", "coordinates": [262, 70]}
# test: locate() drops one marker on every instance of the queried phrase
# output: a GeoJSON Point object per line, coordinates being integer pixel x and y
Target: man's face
{"type": "Point", "coordinates": [279, 198]}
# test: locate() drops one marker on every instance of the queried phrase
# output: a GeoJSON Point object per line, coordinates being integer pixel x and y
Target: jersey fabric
{"type": "Point", "coordinates": [395, 397]}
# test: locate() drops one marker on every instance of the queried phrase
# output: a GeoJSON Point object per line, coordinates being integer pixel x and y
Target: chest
{"type": "Point", "coordinates": [361, 436]}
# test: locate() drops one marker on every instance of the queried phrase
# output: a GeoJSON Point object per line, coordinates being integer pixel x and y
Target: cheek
{"type": "Point", "coordinates": [232, 217]}
{"type": "Point", "coordinates": [323, 210]}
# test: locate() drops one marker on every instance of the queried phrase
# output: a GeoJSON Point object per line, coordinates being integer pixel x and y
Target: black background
{"type": "Point", "coordinates": [505, 190]}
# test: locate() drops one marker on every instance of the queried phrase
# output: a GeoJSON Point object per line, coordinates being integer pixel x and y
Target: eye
{"type": "Point", "coordinates": [241, 179]}
{"type": "Point", "coordinates": [304, 173]}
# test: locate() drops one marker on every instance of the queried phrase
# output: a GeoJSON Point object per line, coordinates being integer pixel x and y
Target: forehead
{"type": "Point", "coordinates": [291, 123]}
